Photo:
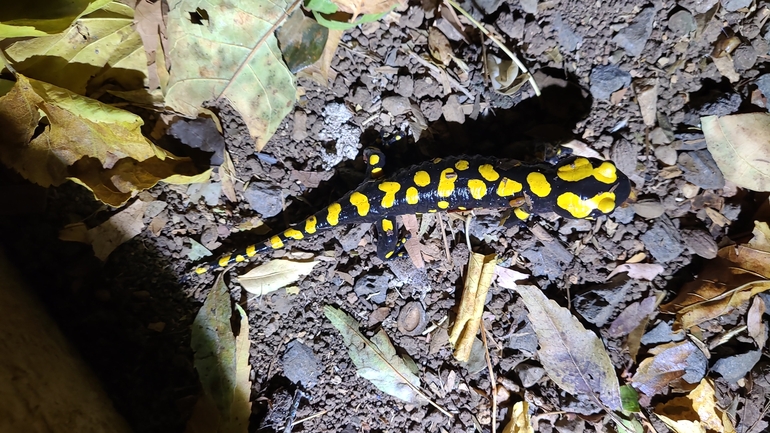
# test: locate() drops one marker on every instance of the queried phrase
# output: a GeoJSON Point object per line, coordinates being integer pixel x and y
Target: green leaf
{"type": "Point", "coordinates": [213, 342]}
{"type": "Point", "coordinates": [376, 359]}
{"type": "Point", "coordinates": [340, 25]}
{"type": "Point", "coordinates": [629, 399]}
{"type": "Point", "coordinates": [42, 17]}
{"type": "Point", "coordinates": [322, 6]}
{"type": "Point", "coordinates": [230, 52]}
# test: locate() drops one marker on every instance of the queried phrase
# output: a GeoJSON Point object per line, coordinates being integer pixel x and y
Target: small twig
{"type": "Point", "coordinates": [434, 70]}
{"type": "Point", "coordinates": [492, 379]}
{"type": "Point", "coordinates": [468, 220]}
{"type": "Point", "coordinates": [498, 43]}
{"type": "Point", "coordinates": [315, 415]}
{"type": "Point", "coordinates": [446, 242]}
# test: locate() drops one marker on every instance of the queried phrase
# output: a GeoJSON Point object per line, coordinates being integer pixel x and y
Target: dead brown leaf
{"type": "Point", "coordinates": [633, 315]}
{"type": "Point", "coordinates": [574, 357]}
{"type": "Point", "coordinates": [699, 407]}
{"type": "Point", "coordinates": [669, 363]}
{"type": "Point", "coordinates": [361, 7]}
{"type": "Point", "coordinates": [439, 46]}
{"type": "Point", "coordinates": [481, 269]}
{"type": "Point", "coordinates": [638, 271]}
{"type": "Point", "coordinates": [756, 326]}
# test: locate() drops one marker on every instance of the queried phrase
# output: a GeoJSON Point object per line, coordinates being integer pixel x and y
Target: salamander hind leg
{"type": "Point", "coordinates": [389, 242]}
{"type": "Point", "coordinates": [375, 162]}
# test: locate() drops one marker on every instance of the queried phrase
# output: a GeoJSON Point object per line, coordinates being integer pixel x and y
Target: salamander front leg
{"type": "Point", "coordinates": [375, 162]}
{"type": "Point", "coordinates": [389, 243]}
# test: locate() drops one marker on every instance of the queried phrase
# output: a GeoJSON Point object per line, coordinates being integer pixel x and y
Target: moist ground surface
{"type": "Point", "coordinates": [130, 317]}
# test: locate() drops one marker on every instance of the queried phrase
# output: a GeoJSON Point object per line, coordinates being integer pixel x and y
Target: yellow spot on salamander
{"type": "Point", "coordinates": [412, 195]}
{"type": "Point", "coordinates": [432, 210]}
{"type": "Point", "coordinates": [310, 225]}
{"type": "Point", "coordinates": [477, 188]}
{"type": "Point", "coordinates": [581, 208]}
{"type": "Point", "coordinates": [293, 234]}
{"type": "Point", "coordinates": [361, 202]}
{"type": "Point", "coordinates": [333, 217]}
{"type": "Point", "coordinates": [606, 173]}
{"type": "Point", "coordinates": [488, 172]}
{"type": "Point", "coordinates": [508, 187]}
{"type": "Point", "coordinates": [374, 159]}
{"type": "Point", "coordinates": [201, 270]}
{"type": "Point", "coordinates": [389, 254]}
{"type": "Point", "coordinates": [436, 160]}
{"type": "Point", "coordinates": [224, 261]}
{"type": "Point", "coordinates": [390, 189]}
{"type": "Point", "coordinates": [276, 242]}
{"type": "Point", "coordinates": [538, 184]}
{"type": "Point", "coordinates": [461, 165]}
{"type": "Point", "coordinates": [446, 183]}
{"type": "Point", "coordinates": [521, 214]}
{"type": "Point", "coordinates": [582, 168]}
{"type": "Point", "coordinates": [239, 258]}
{"type": "Point", "coordinates": [443, 204]}
{"type": "Point", "coordinates": [421, 178]}
{"type": "Point", "coordinates": [462, 208]}
{"type": "Point", "coordinates": [376, 170]}
{"type": "Point", "coordinates": [251, 250]}
{"type": "Point", "coordinates": [387, 225]}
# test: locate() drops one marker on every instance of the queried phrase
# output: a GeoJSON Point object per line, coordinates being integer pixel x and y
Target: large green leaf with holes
{"type": "Point", "coordinates": [229, 50]}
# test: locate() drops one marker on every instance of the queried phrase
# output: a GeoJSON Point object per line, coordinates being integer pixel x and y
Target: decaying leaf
{"type": "Point", "coordinates": [107, 236]}
{"type": "Point", "coordinates": [212, 58]}
{"type": "Point", "coordinates": [633, 315]}
{"type": "Point", "coordinates": [761, 239]}
{"type": "Point", "coordinates": [377, 361]}
{"type": "Point", "coordinates": [699, 407]}
{"type": "Point", "coordinates": [98, 47]}
{"type": "Point", "coordinates": [274, 275]}
{"type": "Point", "coordinates": [439, 46]}
{"type": "Point", "coordinates": [481, 270]}
{"type": "Point", "coordinates": [646, 90]}
{"type": "Point", "coordinates": [573, 357]}
{"type": "Point", "coordinates": [756, 326]}
{"type": "Point", "coordinates": [738, 144]}
{"type": "Point", "coordinates": [671, 362]}
{"type": "Point", "coordinates": [222, 362]}
{"type": "Point", "coordinates": [321, 71]}
{"type": "Point", "coordinates": [729, 281]}
{"type": "Point", "coordinates": [638, 271]}
{"type": "Point", "coordinates": [302, 41]}
{"type": "Point", "coordinates": [151, 27]}
{"type": "Point", "coordinates": [520, 421]}
{"type": "Point", "coordinates": [49, 134]}
{"type": "Point", "coordinates": [504, 75]}
{"type": "Point", "coordinates": [42, 17]}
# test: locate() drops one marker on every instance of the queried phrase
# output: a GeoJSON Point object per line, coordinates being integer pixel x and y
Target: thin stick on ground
{"type": "Point", "coordinates": [492, 379]}
{"type": "Point", "coordinates": [497, 42]}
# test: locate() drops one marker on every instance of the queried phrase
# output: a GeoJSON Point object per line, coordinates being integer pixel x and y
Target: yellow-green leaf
{"type": "Point", "coordinates": [49, 134]}
{"type": "Point", "coordinates": [274, 275]}
{"type": "Point", "coordinates": [376, 359]}
{"type": "Point", "coordinates": [98, 47]}
{"type": "Point", "coordinates": [229, 51]}
{"type": "Point", "coordinates": [42, 17]}
{"type": "Point", "coordinates": [740, 145]}
{"type": "Point", "coordinates": [221, 360]}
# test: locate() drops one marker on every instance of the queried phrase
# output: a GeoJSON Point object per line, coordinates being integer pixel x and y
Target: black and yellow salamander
{"type": "Point", "coordinates": [576, 187]}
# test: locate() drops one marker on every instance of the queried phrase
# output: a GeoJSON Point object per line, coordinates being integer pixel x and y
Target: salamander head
{"type": "Point", "coordinates": [589, 188]}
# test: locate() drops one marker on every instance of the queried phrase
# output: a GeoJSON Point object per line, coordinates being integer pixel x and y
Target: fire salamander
{"type": "Point", "coordinates": [576, 187]}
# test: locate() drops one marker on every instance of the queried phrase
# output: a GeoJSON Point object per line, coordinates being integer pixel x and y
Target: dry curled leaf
{"type": "Point", "coordinates": [274, 275]}
{"type": "Point", "coordinates": [49, 134]}
{"type": "Point", "coordinates": [481, 270]}
{"type": "Point", "coordinates": [573, 357]}
{"type": "Point", "coordinates": [671, 362]}
{"type": "Point", "coordinates": [520, 421]}
{"type": "Point", "coordinates": [699, 409]}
